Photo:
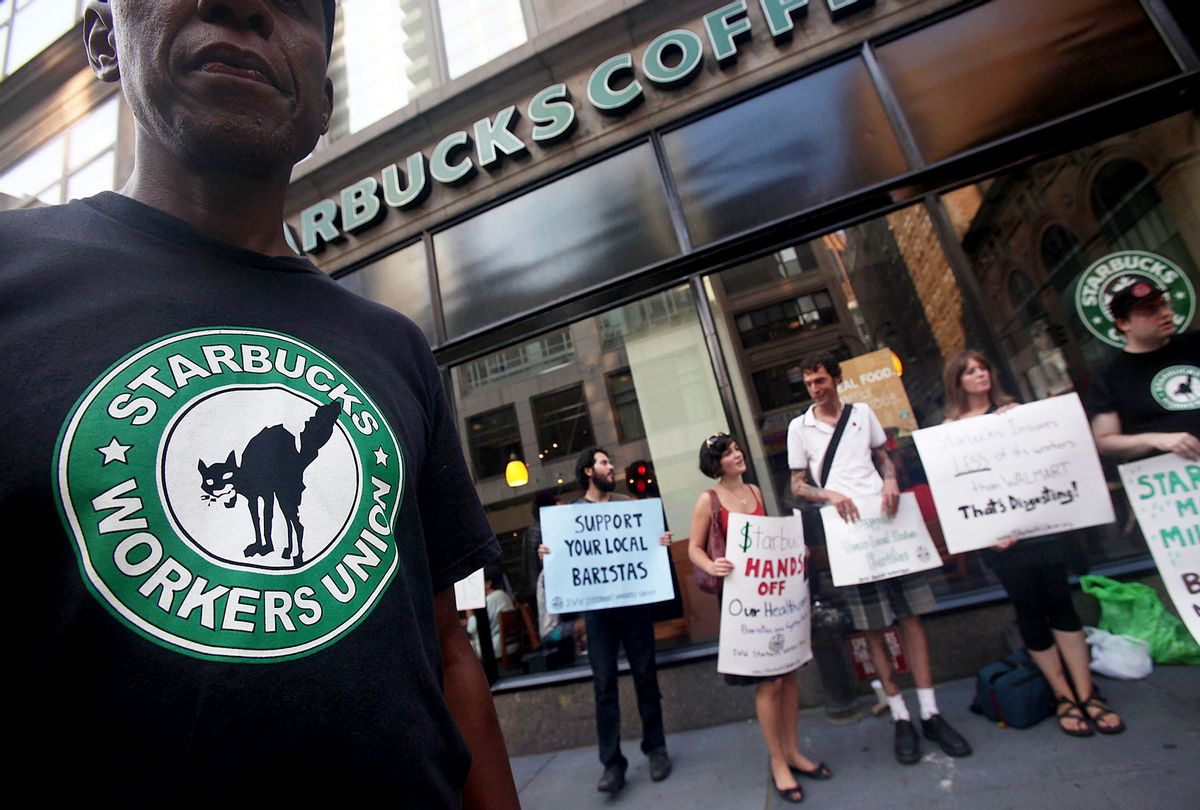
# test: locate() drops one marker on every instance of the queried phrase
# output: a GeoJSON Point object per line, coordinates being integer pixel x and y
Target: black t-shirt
{"type": "Point", "coordinates": [1153, 392]}
{"type": "Point", "coordinates": [231, 490]}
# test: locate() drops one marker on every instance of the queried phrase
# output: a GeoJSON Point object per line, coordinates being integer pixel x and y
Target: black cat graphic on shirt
{"type": "Point", "coordinates": [272, 471]}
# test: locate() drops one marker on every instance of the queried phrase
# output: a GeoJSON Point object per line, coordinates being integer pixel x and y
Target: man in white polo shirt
{"type": "Point", "coordinates": [858, 460]}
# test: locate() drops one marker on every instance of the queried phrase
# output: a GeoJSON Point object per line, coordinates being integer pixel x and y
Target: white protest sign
{"type": "Point", "coordinates": [1030, 471]}
{"type": "Point", "coordinates": [605, 555]}
{"type": "Point", "coordinates": [876, 547]}
{"type": "Point", "coordinates": [1163, 493]}
{"type": "Point", "coordinates": [468, 592]}
{"type": "Point", "coordinates": [766, 619]}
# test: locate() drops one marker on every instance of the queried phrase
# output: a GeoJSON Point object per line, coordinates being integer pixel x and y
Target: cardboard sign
{"type": "Point", "coordinates": [872, 378]}
{"type": "Point", "coordinates": [468, 592]}
{"type": "Point", "coordinates": [605, 555]}
{"type": "Point", "coordinates": [860, 654]}
{"type": "Point", "coordinates": [1163, 491]}
{"type": "Point", "coordinates": [875, 547]}
{"type": "Point", "coordinates": [1028, 472]}
{"type": "Point", "coordinates": [766, 618]}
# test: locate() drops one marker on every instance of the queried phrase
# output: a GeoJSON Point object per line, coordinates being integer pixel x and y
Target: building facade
{"type": "Point", "coordinates": [623, 223]}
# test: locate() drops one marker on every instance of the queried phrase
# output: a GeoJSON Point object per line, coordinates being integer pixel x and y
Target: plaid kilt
{"type": "Point", "coordinates": [876, 605]}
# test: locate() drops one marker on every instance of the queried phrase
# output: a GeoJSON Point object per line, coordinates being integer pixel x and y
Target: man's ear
{"type": "Point", "coordinates": [327, 111]}
{"type": "Point", "coordinates": [100, 40]}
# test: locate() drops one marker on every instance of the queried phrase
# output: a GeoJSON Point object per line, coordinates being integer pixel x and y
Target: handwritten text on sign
{"type": "Point", "coordinates": [1163, 493]}
{"type": "Point", "coordinates": [605, 555]}
{"type": "Point", "coordinates": [766, 620]}
{"type": "Point", "coordinates": [1028, 472]}
{"type": "Point", "coordinates": [876, 547]}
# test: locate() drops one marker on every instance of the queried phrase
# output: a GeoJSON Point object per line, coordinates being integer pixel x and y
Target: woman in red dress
{"type": "Point", "coordinates": [776, 700]}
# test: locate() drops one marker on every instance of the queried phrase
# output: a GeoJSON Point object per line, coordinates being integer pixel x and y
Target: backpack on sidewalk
{"type": "Point", "coordinates": [1013, 692]}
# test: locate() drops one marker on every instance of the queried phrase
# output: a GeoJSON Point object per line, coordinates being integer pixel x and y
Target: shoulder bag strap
{"type": "Point", "coordinates": [827, 462]}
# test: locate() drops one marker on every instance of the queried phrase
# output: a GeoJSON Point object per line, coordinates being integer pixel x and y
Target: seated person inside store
{"type": "Point", "coordinates": [860, 468]}
{"type": "Point", "coordinates": [185, 665]}
{"type": "Point", "coordinates": [495, 601]}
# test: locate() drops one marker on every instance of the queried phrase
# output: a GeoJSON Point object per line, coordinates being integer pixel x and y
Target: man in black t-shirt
{"type": "Point", "coordinates": [234, 496]}
{"type": "Point", "coordinates": [1148, 399]}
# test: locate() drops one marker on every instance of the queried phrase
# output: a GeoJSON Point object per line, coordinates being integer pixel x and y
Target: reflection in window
{"type": "Point", "coordinates": [379, 62]}
{"type": "Point", "coordinates": [780, 387]}
{"type": "Point", "coordinates": [493, 439]}
{"type": "Point", "coordinates": [31, 28]}
{"type": "Point", "coordinates": [648, 315]}
{"type": "Point", "coordinates": [1061, 257]}
{"type": "Point", "coordinates": [628, 416]}
{"type": "Point", "coordinates": [477, 31]}
{"type": "Point", "coordinates": [787, 263]}
{"type": "Point", "coordinates": [78, 163]}
{"type": "Point", "coordinates": [399, 280]}
{"type": "Point", "coordinates": [763, 325]}
{"type": "Point", "coordinates": [1126, 204]}
{"type": "Point", "coordinates": [564, 426]}
{"type": "Point", "coordinates": [525, 360]}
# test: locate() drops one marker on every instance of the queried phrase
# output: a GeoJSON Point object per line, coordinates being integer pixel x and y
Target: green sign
{"type": "Point", "coordinates": [615, 87]}
{"type": "Point", "coordinates": [231, 494]}
{"type": "Point", "coordinates": [1097, 284]}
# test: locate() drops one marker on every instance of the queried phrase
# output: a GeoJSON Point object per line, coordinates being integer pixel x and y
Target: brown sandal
{"type": "Point", "coordinates": [1104, 712]}
{"type": "Point", "coordinates": [1074, 712]}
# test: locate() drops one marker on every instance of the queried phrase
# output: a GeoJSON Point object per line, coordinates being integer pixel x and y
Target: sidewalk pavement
{"type": "Point", "coordinates": [1153, 765]}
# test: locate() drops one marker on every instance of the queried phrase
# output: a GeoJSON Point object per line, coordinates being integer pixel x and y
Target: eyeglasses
{"type": "Point", "coordinates": [713, 439]}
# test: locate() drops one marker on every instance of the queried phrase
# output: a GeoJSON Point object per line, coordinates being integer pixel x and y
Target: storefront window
{"type": "Point", "coordinates": [1139, 191]}
{"type": "Point", "coordinates": [494, 439]}
{"type": "Point", "coordinates": [640, 385]}
{"type": "Point", "coordinates": [77, 163]}
{"type": "Point", "coordinates": [399, 280]}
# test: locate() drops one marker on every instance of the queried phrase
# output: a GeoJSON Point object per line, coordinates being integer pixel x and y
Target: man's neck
{"type": "Point", "coordinates": [1134, 346]}
{"type": "Point", "coordinates": [244, 211]}
{"type": "Point", "coordinates": [596, 495]}
{"type": "Point", "coordinates": [832, 409]}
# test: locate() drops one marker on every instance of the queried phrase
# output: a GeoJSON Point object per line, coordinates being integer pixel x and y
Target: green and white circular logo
{"type": "Point", "coordinates": [1177, 388]}
{"type": "Point", "coordinates": [231, 494]}
{"type": "Point", "coordinates": [1097, 284]}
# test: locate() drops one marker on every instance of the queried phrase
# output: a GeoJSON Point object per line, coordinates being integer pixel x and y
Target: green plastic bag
{"type": "Point", "coordinates": [1134, 609]}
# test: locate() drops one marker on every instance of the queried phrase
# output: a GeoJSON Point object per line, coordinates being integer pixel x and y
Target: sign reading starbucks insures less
{"type": "Point", "coordinates": [614, 87]}
{"type": "Point", "coordinates": [1114, 272]}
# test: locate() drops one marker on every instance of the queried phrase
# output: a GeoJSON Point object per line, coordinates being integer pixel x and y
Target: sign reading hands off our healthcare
{"type": "Point", "coordinates": [876, 547]}
{"type": "Point", "coordinates": [1028, 472]}
{"type": "Point", "coordinates": [605, 555]}
{"type": "Point", "coordinates": [766, 619]}
{"type": "Point", "coordinates": [1163, 491]}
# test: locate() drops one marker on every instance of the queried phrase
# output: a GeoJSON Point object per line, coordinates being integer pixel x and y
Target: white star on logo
{"type": "Point", "coordinates": [114, 451]}
{"type": "Point", "coordinates": [1096, 320]}
{"type": "Point", "coordinates": [381, 458]}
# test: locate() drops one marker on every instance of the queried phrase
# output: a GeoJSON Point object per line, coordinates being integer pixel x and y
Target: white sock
{"type": "Point", "coordinates": [898, 707]}
{"type": "Point", "coordinates": [928, 703]}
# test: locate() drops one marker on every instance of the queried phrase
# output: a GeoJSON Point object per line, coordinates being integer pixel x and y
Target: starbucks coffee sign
{"type": "Point", "coordinates": [1115, 272]}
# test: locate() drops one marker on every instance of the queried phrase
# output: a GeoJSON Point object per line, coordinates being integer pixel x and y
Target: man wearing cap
{"type": "Point", "coordinates": [233, 491]}
{"type": "Point", "coordinates": [1147, 400]}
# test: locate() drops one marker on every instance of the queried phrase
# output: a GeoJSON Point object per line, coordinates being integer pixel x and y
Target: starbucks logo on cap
{"type": "Point", "coordinates": [1099, 282]}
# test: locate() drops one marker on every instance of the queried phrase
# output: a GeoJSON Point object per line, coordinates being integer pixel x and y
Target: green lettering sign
{"type": "Point", "coordinates": [440, 166]}
{"type": "Point", "coordinates": [493, 138]}
{"type": "Point", "coordinates": [395, 193]}
{"type": "Point", "coordinates": [725, 26]}
{"type": "Point", "coordinates": [600, 91]}
{"type": "Point", "coordinates": [360, 205]}
{"type": "Point", "coordinates": [319, 222]}
{"type": "Point", "coordinates": [781, 13]}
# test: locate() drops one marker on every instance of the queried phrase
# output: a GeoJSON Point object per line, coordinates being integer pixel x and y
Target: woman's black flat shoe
{"type": "Point", "coordinates": [820, 773]}
{"type": "Point", "coordinates": [792, 795]}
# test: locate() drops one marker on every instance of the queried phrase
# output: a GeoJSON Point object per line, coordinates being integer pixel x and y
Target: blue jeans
{"type": "Point", "coordinates": [632, 627]}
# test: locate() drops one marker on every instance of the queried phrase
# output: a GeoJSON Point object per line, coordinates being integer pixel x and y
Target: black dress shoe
{"type": "Point", "coordinates": [937, 730]}
{"type": "Point", "coordinates": [612, 780]}
{"type": "Point", "coordinates": [660, 765]}
{"type": "Point", "coordinates": [908, 745]}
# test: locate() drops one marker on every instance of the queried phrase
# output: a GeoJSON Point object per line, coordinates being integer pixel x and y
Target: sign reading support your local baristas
{"type": "Point", "coordinates": [1163, 493]}
{"type": "Point", "coordinates": [766, 619]}
{"type": "Point", "coordinates": [876, 547]}
{"type": "Point", "coordinates": [1028, 472]}
{"type": "Point", "coordinates": [605, 555]}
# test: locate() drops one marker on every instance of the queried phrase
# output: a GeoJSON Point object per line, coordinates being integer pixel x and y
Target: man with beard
{"type": "Point", "coordinates": [607, 630]}
{"type": "Point", "coordinates": [150, 331]}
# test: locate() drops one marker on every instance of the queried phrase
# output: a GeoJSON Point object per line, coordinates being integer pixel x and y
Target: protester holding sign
{"type": "Point", "coordinates": [776, 699]}
{"type": "Point", "coordinates": [631, 626]}
{"type": "Point", "coordinates": [837, 444]}
{"type": "Point", "coordinates": [1034, 572]}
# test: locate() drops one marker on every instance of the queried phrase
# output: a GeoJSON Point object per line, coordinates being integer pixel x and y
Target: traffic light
{"type": "Point", "coordinates": [640, 480]}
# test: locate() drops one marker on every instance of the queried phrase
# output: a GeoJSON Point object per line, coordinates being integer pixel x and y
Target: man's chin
{"type": "Point", "coordinates": [240, 146]}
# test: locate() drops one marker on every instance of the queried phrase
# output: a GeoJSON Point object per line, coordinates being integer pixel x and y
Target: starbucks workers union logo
{"type": "Point", "coordinates": [231, 494]}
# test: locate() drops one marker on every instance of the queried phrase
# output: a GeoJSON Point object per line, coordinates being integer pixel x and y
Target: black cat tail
{"type": "Point", "coordinates": [317, 431]}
